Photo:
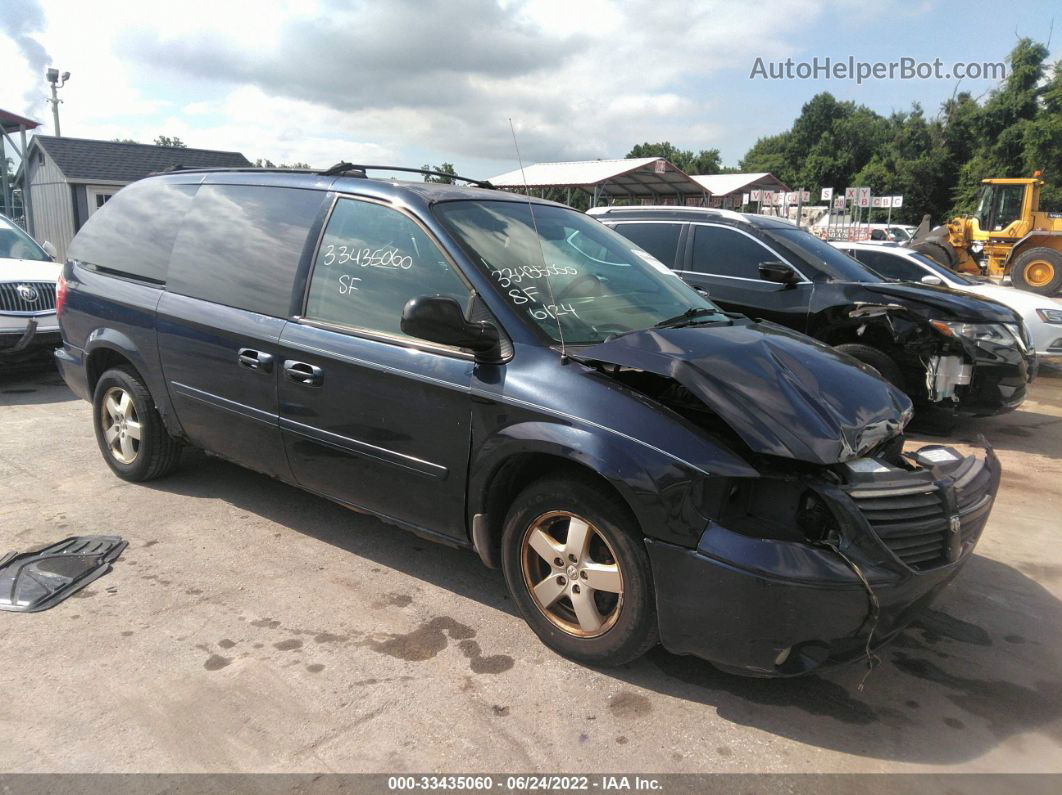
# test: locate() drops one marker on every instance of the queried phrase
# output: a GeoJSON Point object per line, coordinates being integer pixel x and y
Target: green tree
{"type": "Point", "coordinates": [265, 163]}
{"type": "Point", "coordinates": [444, 168]}
{"type": "Point", "coordinates": [706, 161]}
{"type": "Point", "coordinates": [124, 141]}
{"type": "Point", "coordinates": [1003, 123]}
{"type": "Point", "coordinates": [1042, 142]}
{"type": "Point", "coordinates": [174, 142]}
{"type": "Point", "coordinates": [768, 154]}
{"type": "Point", "coordinates": [938, 163]}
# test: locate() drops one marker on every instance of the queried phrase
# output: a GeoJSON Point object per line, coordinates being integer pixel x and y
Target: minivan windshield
{"type": "Point", "coordinates": [572, 271]}
{"type": "Point", "coordinates": [16, 244]}
{"type": "Point", "coordinates": [824, 261]}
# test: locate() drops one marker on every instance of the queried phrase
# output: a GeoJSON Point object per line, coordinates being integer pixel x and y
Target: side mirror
{"type": "Point", "coordinates": [440, 319]}
{"type": "Point", "coordinates": [778, 272]}
{"type": "Point", "coordinates": [703, 292]}
{"type": "Point", "coordinates": [934, 280]}
{"type": "Point", "coordinates": [49, 249]}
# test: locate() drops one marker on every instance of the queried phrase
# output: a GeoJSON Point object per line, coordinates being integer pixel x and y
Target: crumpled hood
{"type": "Point", "coordinates": [783, 393]}
{"type": "Point", "coordinates": [948, 304]}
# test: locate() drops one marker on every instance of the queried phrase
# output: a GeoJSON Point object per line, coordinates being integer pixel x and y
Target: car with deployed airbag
{"type": "Point", "coordinates": [951, 352]}
{"type": "Point", "coordinates": [506, 375]}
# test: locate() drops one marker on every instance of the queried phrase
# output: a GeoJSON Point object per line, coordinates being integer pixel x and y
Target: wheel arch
{"type": "Point", "coordinates": [106, 348]}
{"type": "Point", "coordinates": [1036, 239]}
{"type": "Point", "coordinates": [520, 454]}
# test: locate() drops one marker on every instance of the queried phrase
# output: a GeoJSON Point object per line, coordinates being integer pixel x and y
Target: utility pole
{"type": "Point", "coordinates": [57, 83]}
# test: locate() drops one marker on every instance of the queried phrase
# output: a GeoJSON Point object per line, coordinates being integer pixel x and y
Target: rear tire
{"type": "Point", "coordinates": [552, 574]}
{"type": "Point", "coordinates": [1038, 270]}
{"type": "Point", "coordinates": [129, 430]}
{"type": "Point", "coordinates": [881, 362]}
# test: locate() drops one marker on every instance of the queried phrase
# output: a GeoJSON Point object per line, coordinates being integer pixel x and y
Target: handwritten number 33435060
{"type": "Point", "coordinates": [367, 258]}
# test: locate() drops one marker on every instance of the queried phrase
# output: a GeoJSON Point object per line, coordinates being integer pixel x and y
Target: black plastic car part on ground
{"type": "Point", "coordinates": [34, 581]}
{"type": "Point", "coordinates": [444, 357]}
{"type": "Point", "coordinates": [944, 348]}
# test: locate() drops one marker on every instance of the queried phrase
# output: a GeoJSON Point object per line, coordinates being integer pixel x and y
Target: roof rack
{"type": "Point", "coordinates": [352, 170]}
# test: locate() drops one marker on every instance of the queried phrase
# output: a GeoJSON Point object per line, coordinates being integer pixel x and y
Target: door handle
{"type": "Point", "coordinates": [255, 360]}
{"type": "Point", "coordinates": [302, 373]}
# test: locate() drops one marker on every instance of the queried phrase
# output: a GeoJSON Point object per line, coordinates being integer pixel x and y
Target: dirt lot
{"type": "Point", "coordinates": [253, 627]}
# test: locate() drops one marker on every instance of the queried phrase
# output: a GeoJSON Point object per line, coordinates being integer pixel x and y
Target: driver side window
{"type": "Point", "coordinates": [372, 261]}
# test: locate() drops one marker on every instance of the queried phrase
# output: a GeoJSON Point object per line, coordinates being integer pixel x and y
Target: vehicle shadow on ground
{"type": "Point", "coordinates": [947, 690]}
{"type": "Point", "coordinates": [32, 384]}
{"type": "Point", "coordinates": [456, 570]}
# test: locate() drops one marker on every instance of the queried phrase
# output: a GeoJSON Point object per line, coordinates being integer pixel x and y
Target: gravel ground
{"type": "Point", "coordinates": [252, 627]}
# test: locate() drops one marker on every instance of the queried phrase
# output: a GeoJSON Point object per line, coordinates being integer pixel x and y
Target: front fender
{"type": "Point", "coordinates": [658, 488]}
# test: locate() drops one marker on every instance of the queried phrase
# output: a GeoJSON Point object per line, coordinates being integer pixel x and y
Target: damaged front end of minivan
{"type": "Point", "coordinates": [841, 538]}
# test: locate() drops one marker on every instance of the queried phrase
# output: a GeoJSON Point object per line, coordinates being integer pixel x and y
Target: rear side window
{"type": "Point", "coordinates": [726, 252]}
{"type": "Point", "coordinates": [372, 261]}
{"type": "Point", "coordinates": [660, 240]}
{"type": "Point", "coordinates": [132, 234]}
{"type": "Point", "coordinates": [240, 246]}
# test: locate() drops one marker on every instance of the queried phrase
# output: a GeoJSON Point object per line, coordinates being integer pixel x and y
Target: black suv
{"type": "Point", "coordinates": [944, 348]}
{"type": "Point", "coordinates": [507, 375]}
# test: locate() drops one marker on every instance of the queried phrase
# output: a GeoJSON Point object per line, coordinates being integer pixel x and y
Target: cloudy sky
{"type": "Point", "coordinates": [414, 81]}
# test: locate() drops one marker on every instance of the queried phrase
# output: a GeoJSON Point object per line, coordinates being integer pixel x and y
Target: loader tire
{"type": "Point", "coordinates": [938, 252]}
{"type": "Point", "coordinates": [1038, 270]}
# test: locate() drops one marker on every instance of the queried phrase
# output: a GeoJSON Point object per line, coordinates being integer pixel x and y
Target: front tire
{"type": "Point", "coordinates": [129, 430]}
{"type": "Point", "coordinates": [576, 566]}
{"type": "Point", "coordinates": [881, 362]}
{"type": "Point", "coordinates": [1038, 270]}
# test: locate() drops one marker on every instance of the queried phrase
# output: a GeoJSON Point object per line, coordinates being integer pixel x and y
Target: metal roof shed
{"type": "Point", "coordinates": [652, 178]}
{"type": "Point", "coordinates": [724, 185]}
{"type": "Point", "coordinates": [74, 177]}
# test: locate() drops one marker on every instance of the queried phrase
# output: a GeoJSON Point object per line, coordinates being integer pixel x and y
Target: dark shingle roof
{"type": "Point", "coordinates": [86, 159]}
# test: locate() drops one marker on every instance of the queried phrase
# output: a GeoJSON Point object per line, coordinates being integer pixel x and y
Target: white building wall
{"type": "Point", "coordinates": [53, 204]}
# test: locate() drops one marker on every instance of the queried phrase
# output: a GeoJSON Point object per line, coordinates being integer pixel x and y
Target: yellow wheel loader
{"type": "Point", "coordinates": [1007, 235]}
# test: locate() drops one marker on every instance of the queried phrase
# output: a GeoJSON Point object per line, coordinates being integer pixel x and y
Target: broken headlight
{"type": "Point", "coordinates": [999, 333]}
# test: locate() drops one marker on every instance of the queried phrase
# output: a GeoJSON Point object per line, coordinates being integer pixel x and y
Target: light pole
{"type": "Point", "coordinates": [57, 83]}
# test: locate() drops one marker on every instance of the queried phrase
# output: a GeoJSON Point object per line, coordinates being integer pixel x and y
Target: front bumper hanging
{"type": "Point", "coordinates": [769, 607]}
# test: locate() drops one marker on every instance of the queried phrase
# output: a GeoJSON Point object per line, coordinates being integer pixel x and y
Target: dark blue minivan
{"type": "Point", "coordinates": [510, 376]}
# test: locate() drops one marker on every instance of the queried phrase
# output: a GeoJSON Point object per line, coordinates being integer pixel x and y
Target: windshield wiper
{"type": "Point", "coordinates": [687, 318]}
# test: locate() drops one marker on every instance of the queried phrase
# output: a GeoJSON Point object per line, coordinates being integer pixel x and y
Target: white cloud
{"type": "Point", "coordinates": [315, 81]}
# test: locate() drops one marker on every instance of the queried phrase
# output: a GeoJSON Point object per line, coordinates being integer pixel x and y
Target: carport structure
{"type": "Point", "coordinates": [639, 180]}
{"type": "Point", "coordinates": [11, 123]}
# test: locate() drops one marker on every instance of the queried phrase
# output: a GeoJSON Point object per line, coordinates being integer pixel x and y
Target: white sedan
{"type": "Point", "coordinates": [28, 325]}
{"type": "Point", "coordinates": [1042, 316]}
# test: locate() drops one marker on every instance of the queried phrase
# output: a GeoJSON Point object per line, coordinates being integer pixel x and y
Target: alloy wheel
{"type": "Point", "coordinates": [120, 424]}
{"type": "Point", "coordinates": [572, 574]}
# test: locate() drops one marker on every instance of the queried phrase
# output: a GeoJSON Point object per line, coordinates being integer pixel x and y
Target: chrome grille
{"type": "Point", "coordinates": [12, 301]}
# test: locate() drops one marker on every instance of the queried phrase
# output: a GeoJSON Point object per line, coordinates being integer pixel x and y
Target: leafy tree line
{"type": "Point", "coordinates": [161, 140]}
{"type": "Point", "coordinates": [936, 163]}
